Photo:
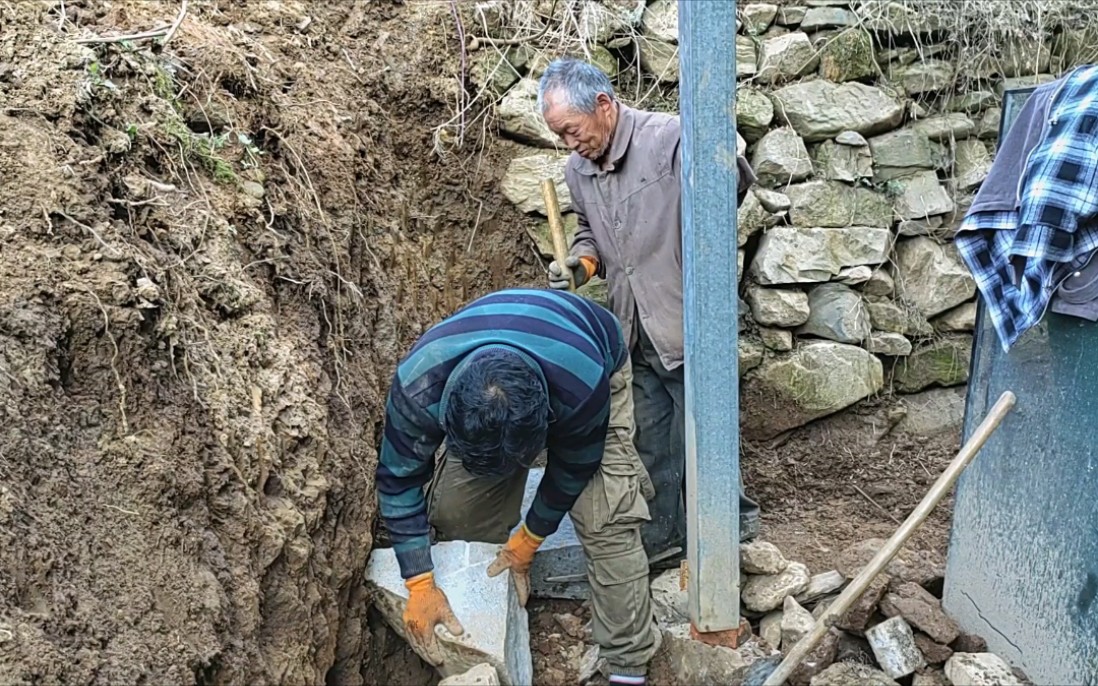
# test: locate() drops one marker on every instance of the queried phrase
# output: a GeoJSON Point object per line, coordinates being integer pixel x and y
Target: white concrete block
{"type": "Point", "coordinates": [893, 644]}
{"type": "Point", "coordinates": [496, 626]}
{"type": "Point", "coordinates": [483, 674]}
{"type": "Point", "coordinates": [979, 669]}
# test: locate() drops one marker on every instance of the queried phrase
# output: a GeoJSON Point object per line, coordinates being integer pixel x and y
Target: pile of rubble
{"type": "Point", "coordinates": [896, 630]}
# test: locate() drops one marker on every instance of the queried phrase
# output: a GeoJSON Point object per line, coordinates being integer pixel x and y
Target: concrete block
{"type": "Point", "coordinates": [483, 674]}
{"type": "Point", "coordinates": [979, 669]}
{"type": "Point", "coordinates": [560, 568]}
{"type": "Point", "coordinates": [496, 626]}
{"type": "Point", "coordinates": [893, 644]}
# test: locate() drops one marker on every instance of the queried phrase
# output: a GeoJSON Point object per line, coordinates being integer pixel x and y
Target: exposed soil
{"type": "Point", "coordinates": [212, 255]}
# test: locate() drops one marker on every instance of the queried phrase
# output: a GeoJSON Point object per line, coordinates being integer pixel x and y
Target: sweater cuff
{"type": "Point", "coordinates": [414, 561]}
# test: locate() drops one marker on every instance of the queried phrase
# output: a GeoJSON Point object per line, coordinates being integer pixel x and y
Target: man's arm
{"type": "Point", "coordinates": [583, 244]}
{"type": "Point", "coordinates": [408, 446]}
{"type": "Point", "coordinates": [575, 453]}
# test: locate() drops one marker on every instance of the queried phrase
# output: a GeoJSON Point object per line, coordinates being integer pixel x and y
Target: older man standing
{"type": "Point", "coordinates": [624, 179]}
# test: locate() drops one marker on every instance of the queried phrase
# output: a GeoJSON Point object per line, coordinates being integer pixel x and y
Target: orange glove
{"type": "Point", "coordinates": [517, 556]}
{"type": "Point", "coordinates": [428, 606]}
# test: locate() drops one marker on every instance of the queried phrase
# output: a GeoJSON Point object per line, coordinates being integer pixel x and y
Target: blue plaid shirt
{"type": "Point", "coordinates": [1019, 257]}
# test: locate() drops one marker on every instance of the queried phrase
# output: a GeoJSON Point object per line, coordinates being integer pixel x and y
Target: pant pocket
{"type": "Point", "coordinates": [620, 569]}
{"type": "Point", "coordinates": [618, 498]}
{"type": "Point", "coordinates": [625, 453]}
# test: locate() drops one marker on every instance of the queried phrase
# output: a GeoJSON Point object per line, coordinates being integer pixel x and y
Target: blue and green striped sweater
{"type": "Point", "coordinates": [576, 343]}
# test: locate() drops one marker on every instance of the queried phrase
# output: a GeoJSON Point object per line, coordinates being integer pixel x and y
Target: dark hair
{"type": "Point", "coordinates": [497, 416]}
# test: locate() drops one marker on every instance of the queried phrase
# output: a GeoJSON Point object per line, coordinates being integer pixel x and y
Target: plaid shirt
{"type": "Point", "coordinates": [1018, 258]}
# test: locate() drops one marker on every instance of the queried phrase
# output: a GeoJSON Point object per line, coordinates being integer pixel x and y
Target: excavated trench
{"type": "Point", "coordinates": [214, 252]}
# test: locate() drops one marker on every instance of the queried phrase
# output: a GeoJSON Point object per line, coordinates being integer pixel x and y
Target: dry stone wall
{"type": "Point", "coordinates": [870, 130]}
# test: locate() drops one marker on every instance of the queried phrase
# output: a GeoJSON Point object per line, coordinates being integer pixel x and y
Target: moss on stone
{"type": "Point", "coordinates": [848, 56]}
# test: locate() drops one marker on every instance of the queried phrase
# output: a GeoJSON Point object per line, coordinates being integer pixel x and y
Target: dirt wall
{"type": "Point", "coordinates": [213, 253]}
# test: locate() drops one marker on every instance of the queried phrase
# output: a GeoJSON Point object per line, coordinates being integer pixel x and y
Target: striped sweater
{"type": "Point", "coordinates": [576, 344]}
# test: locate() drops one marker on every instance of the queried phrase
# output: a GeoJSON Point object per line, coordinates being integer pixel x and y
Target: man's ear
{"type": "Point", "coordinates": [604, 102]}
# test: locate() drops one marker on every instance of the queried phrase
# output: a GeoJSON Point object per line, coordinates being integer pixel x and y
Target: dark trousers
{"type": "Point", "coordinates": [659, 411]}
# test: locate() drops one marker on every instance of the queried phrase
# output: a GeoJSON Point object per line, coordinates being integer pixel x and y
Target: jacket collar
{"type": "Point", "coordinates": [623, 135]}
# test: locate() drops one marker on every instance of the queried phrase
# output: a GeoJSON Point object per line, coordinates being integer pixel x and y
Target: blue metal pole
{"type": "Point", "coordinates": [707, 88]}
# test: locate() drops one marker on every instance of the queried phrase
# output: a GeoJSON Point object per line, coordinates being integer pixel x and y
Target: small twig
{"type": "Point", "coordinates": [61, 21]}
{"type": "Point", "coordinates": [129, 512]}
{"type": "Point", "coordinates": [876, 504]}
{"type": "Point", "coordinates": [176, 23]}
{"type": "Point", "coordinates": [461, 75]}
{"type": "Point", "coordinates": [167, 30]}
{"type": "Point", "coordinates": [114, 359]}
{"type": "Point", "coordinates": [91, 231]}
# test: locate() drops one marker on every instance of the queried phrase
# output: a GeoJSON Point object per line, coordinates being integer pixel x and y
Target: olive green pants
{"type": "Point", "coordinates": [607, 518]}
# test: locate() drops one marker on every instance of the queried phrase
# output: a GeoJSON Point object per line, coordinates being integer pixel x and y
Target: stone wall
{"type": "Point", "coordinates": [870, 127]}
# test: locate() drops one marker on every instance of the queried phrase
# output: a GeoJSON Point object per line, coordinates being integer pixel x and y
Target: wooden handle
{"type": "Point", "coordinates": [858, 586]}
{"type": "Point", "coordinates": [556, 229]}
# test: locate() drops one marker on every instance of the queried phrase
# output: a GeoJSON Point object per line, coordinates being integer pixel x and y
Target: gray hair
{"type": "Point", "coordinates": [579, 81]}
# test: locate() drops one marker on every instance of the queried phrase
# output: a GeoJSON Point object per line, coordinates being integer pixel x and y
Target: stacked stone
{"type": "Point", "coordinates": [868, 156]}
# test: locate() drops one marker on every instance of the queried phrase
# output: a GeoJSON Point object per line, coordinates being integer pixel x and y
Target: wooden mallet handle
{"type": "Point", "coordinates": [556, 229]}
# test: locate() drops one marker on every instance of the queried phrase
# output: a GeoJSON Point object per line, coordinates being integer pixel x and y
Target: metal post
{"type": "Point", "coordinates": [707, 87]}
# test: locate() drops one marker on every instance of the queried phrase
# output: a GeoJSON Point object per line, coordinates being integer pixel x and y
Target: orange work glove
{"type": "Point", "coordinates": [517, 556]}
{"type": "Point", "coordinates": [428, 606]}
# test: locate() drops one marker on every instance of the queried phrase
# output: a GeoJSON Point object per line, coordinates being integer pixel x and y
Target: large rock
{"type": "Point", "coordinates": [920, 195]}
{"type": "Point", "coordinates": [483, 674]}
{"type": "Point", "coordinates": [685, 660]}
{"type": "Point", "coordinates": [900, 153]}
{"type": "Point", "coordinates": [972, 165]}
{"type": "Point", "coordinates": [848, 56]}
{"type": "Point", "coordinates": [777, 306]}
{"type": "Point", "coordinates": [750, 353]}
{"type": "Point", "coordinates": [852, 674]}
{"type": "Point", "coordinates": [942, 362]}
{"type": "Point", "coordinates": [661, 21]}
{"type": "Point", "coordinates": [889, 315]}
{"type": "Point", "coordinates": [893, 645]}
{"type": "Point", "coordinates": [493, 72]}
{"type": "Point", "coordinates": [979, 669]}
{"type": "Point", "coordinates": [752, 217]}
{"type": "Point", "coordinates": [946, 127]}
{"type": "Point", "coordinates": [933, 412]}
{"type": "Point", "coordinates": [888, 343]}
{"type": "Point", "coordinates": [747, 57]}
{"type": "Point", "coordinates": [821, 585]}
{"type": "Point", "coordinates": [817, 18]}
{"type": "Point", "coordinates": [961, 319]}
{"type": "Point", "coordinates": [796, 622]}
{"type": "Point", "coordinates": [819, 110]}
{"type": "Point", "coordinates": [837, 162]}
{"type": "Point", "coordinates": [767, 592]}
{"type": "Point", "coordinates": [522, 181]}
{"type": "Point", "coordinates": [836, 313]}
{"type": "Point", "coordinates": [670, 602]}
{"type": "Point", "coordinates": [520, 119]}
{"type": "Point", "coordinates": [831, 204]}
{"type": "Point", "coordinates": [770, 629]}
{"type": "Point", "coordinates": [754, 112]}
{"type": "Point", "coordinates": [496, 629]}
{"type": "Point", "coordinates": [788, 57]}
{"type": "Point", "coordinates": [761, 557]}
{"type": "Point", "coordinates": [931, 276]}
{"type": "Point", "coordinates": [813, 381]}
{"type": "Point", "coordinates": [921, 610]}
{"type": "Point", "coordinates": [781, 158]}
{"type": "Point", "coordinates": [659, 58]}
{"type": "Point", "coordinates": [757, 17]}
{"type": "Point", "coordinates": [928, 76]}
{"type": "Point", "coordinates": [858, 615]}
{"type": "Point", "coordinates": [804, 255]}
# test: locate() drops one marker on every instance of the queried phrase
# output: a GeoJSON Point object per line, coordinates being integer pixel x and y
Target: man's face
{"type": "Point", "coordinates": [587, 134]}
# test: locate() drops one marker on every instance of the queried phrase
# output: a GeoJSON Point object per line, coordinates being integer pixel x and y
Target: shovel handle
{"type": "Point", "coordinates": [858, 586]}
{"type": "Point", "coordinates": [556, 229]}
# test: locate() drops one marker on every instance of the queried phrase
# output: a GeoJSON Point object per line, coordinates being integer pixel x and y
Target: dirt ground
{"type": "Point", "coordinates": [212, 254]}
